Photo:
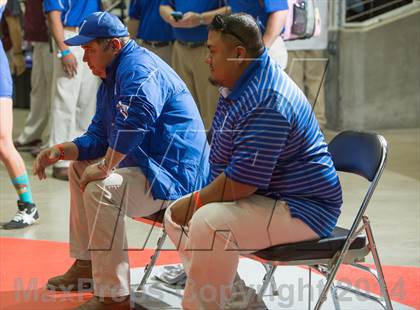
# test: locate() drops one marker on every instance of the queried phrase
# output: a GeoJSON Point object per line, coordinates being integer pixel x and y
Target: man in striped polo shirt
{"type": "Point", "coordinates": [272, 177]}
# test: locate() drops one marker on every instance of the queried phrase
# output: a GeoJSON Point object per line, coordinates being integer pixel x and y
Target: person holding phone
{"type": "Point", "coordinates": [148, 28]}
{"type": "Point", "coordinates": [189, 20]}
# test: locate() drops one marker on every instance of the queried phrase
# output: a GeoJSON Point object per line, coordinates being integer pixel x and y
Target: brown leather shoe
{"type": "Point", "coordinates": [61, 173]}
{"type": "Point", "coordinates": [77, 278]}
{"type": "Point", "coordinates": [106, 303]}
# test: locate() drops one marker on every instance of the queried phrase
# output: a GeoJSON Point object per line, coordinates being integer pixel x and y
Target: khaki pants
{"type": "Point", "coordinates": [218, 233]}
{"type": "Point", "coordinates": [97, 226]}
{"type": "Point", "coordinates": [189, 63]}
{"type": "Point", "coordinates": [306, 68]}
{"type": "Point", "coordinates": [73, 99]}
{"type": "Point", "coordinates": [41, 78]}
{"type": "Point", "coordinates": [164, 52]}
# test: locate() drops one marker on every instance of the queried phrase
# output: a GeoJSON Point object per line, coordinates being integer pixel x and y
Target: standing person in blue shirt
{"type": "Point", "coordinates": [271, 18]}
{"type": "Point", "coordinates": [146, 146]}
{"type": "Point", "coordinates": [72, 105]}
{"type": "Point", "coordinates": [27, 213]}
{"type": "Point", "coordinates": [272, 178]}
{"type": "Point", "coordinates": [150, 29]}
{"type": "Point", "coordinates": [190, 51]}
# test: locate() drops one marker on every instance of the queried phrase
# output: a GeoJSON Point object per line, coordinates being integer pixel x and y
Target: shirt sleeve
{"type": "Point", "coordinates": [93, 144]}
{"type": "Point", "coordinates": [139, 105]}
{"type": "Point", "coordinates": [134, 9]}
{"type": "Point", "coordinates": [257, 145]}
{"type": "Point", "coordinates": [53, 5]}
{"type": "Point", "coordinates": [271, 6]}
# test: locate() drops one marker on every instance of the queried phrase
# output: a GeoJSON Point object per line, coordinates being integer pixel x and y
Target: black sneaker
{"type": "Point", "coordinates": [27, 215]}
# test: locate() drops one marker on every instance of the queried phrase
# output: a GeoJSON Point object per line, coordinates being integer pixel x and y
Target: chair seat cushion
{"type": "Point", "coordinates": [314, 249]}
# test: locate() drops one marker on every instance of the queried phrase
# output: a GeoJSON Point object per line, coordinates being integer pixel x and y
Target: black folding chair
{"type": "Point", "coordinates": [359, 153]}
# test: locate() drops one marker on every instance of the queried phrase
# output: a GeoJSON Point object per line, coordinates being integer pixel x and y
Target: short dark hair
{"type": "Point", "coordinates": [241, 26]}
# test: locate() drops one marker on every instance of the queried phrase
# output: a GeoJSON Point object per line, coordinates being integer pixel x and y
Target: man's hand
{"type": "Point", "coordinates": [183, 209]}
{"type": "Point", "coordinates": [19, 66]}
{"type": "Point", "coordinates": [92, 173]}
{"type": "Point", "coordinates": [189, 20]}
{"type": "Point", "coordinates": [69, 63]}
{"type": "Point", "coordinates": [44, 159]}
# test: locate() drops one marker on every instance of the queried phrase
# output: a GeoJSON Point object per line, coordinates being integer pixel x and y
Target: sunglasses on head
{"type": "Point", "coordinates": [220, 25]}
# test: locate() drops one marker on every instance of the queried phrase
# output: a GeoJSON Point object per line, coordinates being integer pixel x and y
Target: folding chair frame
{"type": "Point", "coordinates": [327, 267]}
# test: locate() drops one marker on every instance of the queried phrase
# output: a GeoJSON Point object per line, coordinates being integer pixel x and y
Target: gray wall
{"type": "Point", "coordinates": [374, 75]}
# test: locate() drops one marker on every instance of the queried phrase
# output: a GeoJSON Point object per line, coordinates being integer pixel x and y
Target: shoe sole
{"type": "Point", "coordinates": [52, 287]}
{"type": "Point", "coordinates": [11, 228]}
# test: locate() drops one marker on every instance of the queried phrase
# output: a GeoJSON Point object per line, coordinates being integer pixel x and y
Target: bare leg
{"type": "Point", "coordinates": [8, 153]}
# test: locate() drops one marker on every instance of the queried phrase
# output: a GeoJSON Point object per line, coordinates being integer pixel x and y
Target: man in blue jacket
{"type": "Point", "coordinates": [146, 146]}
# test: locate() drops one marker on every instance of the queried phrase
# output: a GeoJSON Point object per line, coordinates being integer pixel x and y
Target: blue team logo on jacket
{"type": "Point", "coordinates": [123, 108]}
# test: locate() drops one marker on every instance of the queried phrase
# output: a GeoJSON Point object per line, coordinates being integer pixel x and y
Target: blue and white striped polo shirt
{"type": "Point", "coordinates": [265, 134]}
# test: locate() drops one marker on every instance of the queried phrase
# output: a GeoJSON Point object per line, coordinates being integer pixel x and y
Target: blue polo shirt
{"type": "Point", "coordinates": [73, 12]}
{"type": "Point", "coordinates": [144, 110]}
{"type": "Point", "coordinates": [265, 134]}
{"type": "Point", "coordinates": [260, 10]}
{"type": "Point", "coordinates": [151, 27]}
{"type": "Point", "coordinates": [197, 34]}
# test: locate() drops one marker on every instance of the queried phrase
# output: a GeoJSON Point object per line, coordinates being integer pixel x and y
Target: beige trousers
{"type": "Point", "coordinates": [73, 99]}
{"type": "Point", "coordinates": [306, 68]}
{"type": "Point", "coordinates": [41, 77]}
{"type": "Point", "coordinates": [164, 52]}
{"type": "Point", "coordinates": [218, 233]}
{"type": "Point", "coordinates": [189, 63]}
{"type": "Point", "coordinates": [97, 226]}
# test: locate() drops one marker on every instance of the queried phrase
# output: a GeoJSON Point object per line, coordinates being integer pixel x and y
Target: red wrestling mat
{"type": "Point", "coordinates": [26, 265]}
{"type": "Point", "coordinates": [403, 282]}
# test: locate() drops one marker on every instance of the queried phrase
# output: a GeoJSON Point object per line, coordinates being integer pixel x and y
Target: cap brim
{"type": "Point", "coordinates": [78, 40]}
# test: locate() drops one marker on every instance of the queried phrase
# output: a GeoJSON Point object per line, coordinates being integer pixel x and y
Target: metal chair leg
{"type": "Point", "coordinates": [380, 273]}
{"type": "Point", "coordinates": [267, 279]}
{"type": "Point", "coordinates": [330, 275]}
{"type": "Point", "coordinates": [151, 264]}
{"type": "Point", "coordinates": [334, 295]}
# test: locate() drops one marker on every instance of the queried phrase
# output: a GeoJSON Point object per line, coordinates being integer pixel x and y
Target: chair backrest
{"type": "Point", "coordinates": [364, 154]}
{"type": "Point", "coordinates": [359, 152]}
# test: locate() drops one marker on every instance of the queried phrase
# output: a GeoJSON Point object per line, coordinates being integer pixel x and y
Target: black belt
{"type": "Point", "coordinates": [157, 43]}
{"type": "Point", "coordinates": [192, 44]}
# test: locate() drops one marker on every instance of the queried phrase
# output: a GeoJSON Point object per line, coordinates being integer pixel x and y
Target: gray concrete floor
{"type": "Point", "coordinates": [394, 210]}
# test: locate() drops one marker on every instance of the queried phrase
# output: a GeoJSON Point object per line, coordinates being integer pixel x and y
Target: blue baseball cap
{"type": "Point", "coordinates": [98, 25]}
